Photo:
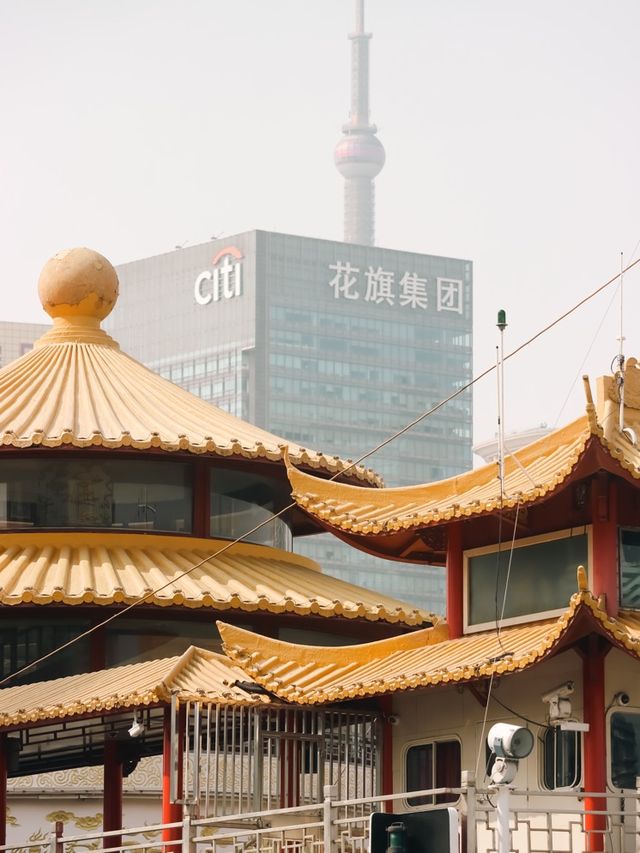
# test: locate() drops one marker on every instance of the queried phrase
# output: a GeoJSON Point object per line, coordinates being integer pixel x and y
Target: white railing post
{"type": "Point", "coordinates": [55, 844]}
{"type": "Point", "coordinates": [468, 783]}
{"type": "Point", "coordinates": [188, 845]}
{"type": "Point", "coordinates": [503, 804]}
{"type": "Point", "coordinates": [328, 815]}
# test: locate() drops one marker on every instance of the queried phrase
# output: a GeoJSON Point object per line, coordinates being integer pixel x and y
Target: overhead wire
{"type": "Point", "coordinates": [595, 336]}
{"type": "Point", "coordinates": [586, 356]}
{"type": "Point", "coordinates": [436, 407]}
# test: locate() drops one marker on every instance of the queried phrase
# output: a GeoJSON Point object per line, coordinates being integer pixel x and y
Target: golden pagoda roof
{"type": "Point", "coordinates": [531, 473]}
{"type": "Point", "coordinates": [120, 568]}
{"type": "Point", "coordinates": [77, 388]}
{"type": "Point", "coordinates": [311, 675]}
{"type": "Point", "coordinates": [197, 674]}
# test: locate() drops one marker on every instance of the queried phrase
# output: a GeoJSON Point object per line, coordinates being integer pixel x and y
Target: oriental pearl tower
{"type": "Point", "coordinates": [359, 155]}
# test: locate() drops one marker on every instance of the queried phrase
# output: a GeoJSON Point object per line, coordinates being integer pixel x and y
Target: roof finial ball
{"type": "Point", "coordinates": [78, 283]}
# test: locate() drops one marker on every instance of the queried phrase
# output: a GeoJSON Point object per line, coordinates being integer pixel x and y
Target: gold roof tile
{"type": "Point", "coordinates": [106, 568]}
{"type": "Point", "coordinates": [77, 388]}
{"type": "Point", "coordinates": [539, 468]}
{"type": "Point", "coordinates": [530, 473]}
{"type": "Point", "coordinates": [197, 673]}
{"type": "Point", "coordinates": [311, 675]}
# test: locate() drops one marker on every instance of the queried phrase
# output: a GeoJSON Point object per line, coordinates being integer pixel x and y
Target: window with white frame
{"type": "Point", "coordinates": [431, 765]}
{"type": "Point", "coordinates": [539, 575]}
{"type": "Point", "coordinates": [561, 757]}
{"type": "Point", "coordinates": [624, 748]}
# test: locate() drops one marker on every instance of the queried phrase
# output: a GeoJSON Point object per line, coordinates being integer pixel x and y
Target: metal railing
{"type": "Point", "coordinates": [538, 822]}
{"type": "Point", "coordinates": [250, 759]}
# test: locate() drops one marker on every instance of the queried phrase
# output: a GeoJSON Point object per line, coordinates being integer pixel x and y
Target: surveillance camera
{"type": "Point", "coordinates": [508, 741]}
{"type": "Point", "coordinates": [136, 729]}
{"type": "Point", "coordinates": [393, 720]}
{"type": "Point", "coordinates": [559, 704]}
{"type": "Point", "coordinates": [559, 692]}
{"type": "Point", "coordinates": [621, 698]}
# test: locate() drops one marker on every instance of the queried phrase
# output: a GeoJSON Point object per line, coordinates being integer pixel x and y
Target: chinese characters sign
{"type": "Point", "coordinates": [382, 286]}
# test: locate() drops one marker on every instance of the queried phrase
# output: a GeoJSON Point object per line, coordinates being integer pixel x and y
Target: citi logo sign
{"type": "Point", "coordinates": [223, 281]}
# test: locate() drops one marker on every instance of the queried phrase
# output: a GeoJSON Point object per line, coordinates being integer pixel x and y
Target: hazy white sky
{"type": "Point", "coordinates": [511, 129]}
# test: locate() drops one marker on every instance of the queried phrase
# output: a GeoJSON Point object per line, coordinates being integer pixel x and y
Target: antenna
{"type": "Point", "coordinates": [620, 371]}
{"type": "Point", "coordinates": [359, 155]}
{"type": "Point", "coordinates": [502, 325]}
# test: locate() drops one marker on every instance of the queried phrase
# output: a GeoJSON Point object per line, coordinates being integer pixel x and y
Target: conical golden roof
{"type": "Point", "coordinates": [76, 387]}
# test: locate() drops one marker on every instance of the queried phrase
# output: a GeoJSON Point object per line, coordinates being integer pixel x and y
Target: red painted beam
{"type": "Point", "coordinates": [171, 812]}
{"type": "Point", "coordinates": [454, 579]}
{"type": "Point", "coordinates": [595, 762]}
{"type": "Point", "coordinates": [112, 792]}
{"type": "Point", "coordinates": [386, 706]}
{"type": "Point", "coordinates": [604, 520]}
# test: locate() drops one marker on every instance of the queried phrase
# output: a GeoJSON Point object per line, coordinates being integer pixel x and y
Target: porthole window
{"type": "Point", "coordinates": [561, 758]}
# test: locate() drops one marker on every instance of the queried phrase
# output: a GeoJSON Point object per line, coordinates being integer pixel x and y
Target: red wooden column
{"type": "Point", "coordinates": [595, 761]}
{"type": "Point", "coordinates": [454, 579]}
{"type": "Point", "coordinates": [201, 499]}
{"type": "Point", "coordinates": [604, 518]}
{"type": "Point", "coordinates": [290, 758]}
{"type": "Point", "coordinates": [171, 812]}
{"type": "Point", "coordinates": [386, 706]}
{"type": "Point", "coordinates": [112, 793]}
{"type": "Point", "coordinates": [3, 789]}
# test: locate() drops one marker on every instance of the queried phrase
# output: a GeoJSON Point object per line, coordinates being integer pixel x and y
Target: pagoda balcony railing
{"type": "Point", "coordinates": [539, 822]}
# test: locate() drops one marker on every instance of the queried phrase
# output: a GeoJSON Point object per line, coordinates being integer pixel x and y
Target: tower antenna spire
{"type": "Point", "coordinates": [359, 155]}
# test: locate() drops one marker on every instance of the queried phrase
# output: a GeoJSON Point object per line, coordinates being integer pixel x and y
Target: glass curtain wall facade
{"type": "Point", "coordinates": [335, 346]}
{"type": "Point", "coordinates": [16, 339]}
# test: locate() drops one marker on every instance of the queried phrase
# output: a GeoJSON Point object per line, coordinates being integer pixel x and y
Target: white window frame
{"type": "Point", "coordinates": [536, 616]}
{"type": "Point", "coordinates": [441, 738]}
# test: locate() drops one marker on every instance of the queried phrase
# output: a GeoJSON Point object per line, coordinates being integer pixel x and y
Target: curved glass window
{"type": "Point", "coordinates": [96, 492]}
{"type": "Point", "coordinates": [241, 501]}
{"type": "Point", "coordinates": [29, 638]}
{"type": "Point", "coordinates": [135, 640]}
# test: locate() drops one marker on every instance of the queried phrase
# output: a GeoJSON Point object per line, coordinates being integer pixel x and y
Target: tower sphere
{"type": "Point", "coordinates": [359, 155]}
{"type": "Point", "coordinates": [78, 283]}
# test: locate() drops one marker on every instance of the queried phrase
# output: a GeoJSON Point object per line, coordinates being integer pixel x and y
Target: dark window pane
{"type": "Point", "coordinates": [542, 577]}
{"type": "Point", "coordinates": [625, 749]}
{"type": "Point", "coordinates": [433, 765]}
{"type": "Point", "coordinates": [241, 501]}
{"type": "Point", "coordinates": [26, 640]}
{"type": "Point", "coordinates": [447, 768]}
{"type": "Point", "coordinates": [420, 772]}
{"type": "Point", "coordinates": [561, 759]}
{"type": "Point", "coordinates": [630, 568]}
{"type": "Point", "coordinates": [96, 492]}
